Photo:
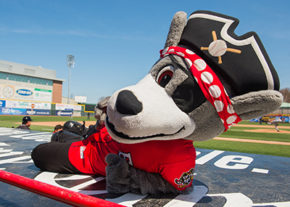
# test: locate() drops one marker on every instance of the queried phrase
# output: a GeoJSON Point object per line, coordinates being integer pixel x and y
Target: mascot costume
{"type": "Point", "coordinates": [206, 80]}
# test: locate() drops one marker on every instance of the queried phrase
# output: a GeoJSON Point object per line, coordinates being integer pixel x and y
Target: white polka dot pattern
{"type": "Point", "coordinates": [230, 109]}
{"type": "Point", "coordinates": [207, 77]}
{"type": "Point", "coordinates": [219, 105]}
{"type": "Point", "coordinates": [209, 84]}
{"type": "Point", "coordinates": [189, 52]}
{"type": "Point", "coordinates": [215, 91]}
{"type": "Point", "coordinates": [231, 119]}
{"type": "Point", "coordinates": [180, 53]}
{"type": "Point", "coordinates": [189, 62]}
{"type": "Point", "coordinates": [200, 64]}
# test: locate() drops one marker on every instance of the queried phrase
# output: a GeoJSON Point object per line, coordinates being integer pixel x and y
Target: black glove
{"type": "Point", "coordinates": [123, 178]}
{"type": "Point", "coordinates": [65, 136]}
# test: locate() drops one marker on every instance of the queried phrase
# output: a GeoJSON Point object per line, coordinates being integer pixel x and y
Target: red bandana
{"type": "Point", "coordinates": [209, 84]}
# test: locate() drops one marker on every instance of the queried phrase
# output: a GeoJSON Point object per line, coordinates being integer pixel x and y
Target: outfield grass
{"type": "Point", "coordinates": [32, 127]}
{"type": "Point", "coordinates": [13, 121]}
{"type": "Point", "coordinates": [236, 133]}
{"type": "Point", "coordinates": [42, 128]}
{"type": "Point", "coordinates": [256, 148]}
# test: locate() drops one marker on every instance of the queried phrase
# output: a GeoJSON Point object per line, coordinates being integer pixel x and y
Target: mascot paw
{"type": "Point", "coordinates": [117, 179]}
{"type": "Point", "coordinates": [112, 159]}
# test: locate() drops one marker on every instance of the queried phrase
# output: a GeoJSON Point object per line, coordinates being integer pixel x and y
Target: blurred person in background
{"type": "Point", "coordinates": [276, 122]}
{"type": "Point", "coordinates": [26, 123]}
{"type": "Point", "coordinates": [57, 128]}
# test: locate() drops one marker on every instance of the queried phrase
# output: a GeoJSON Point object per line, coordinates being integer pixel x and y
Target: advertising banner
{"type": "Point", "coordinates": [10, 111]}
{"type": "Point", "coordinates": [26, 92]}
{"type": "Point", "coordinates": [27, 105]}
{"type": "Point", "coordinates": [286, 119]}
{"type": "Point", "coordinates": [42, 94]}
{"type": "Point", "coordinates": [77, 113]}
{"type": "Point", "coordinates": [42, 112]}
{"type": "Point", "coordinates": [65, 107]}
{"type": "Point", "coordinates": [2, 103]}
{"type": "Point", "coordinates": [64, 113]}
{"type": "Point", "coordinates": [15, 111]}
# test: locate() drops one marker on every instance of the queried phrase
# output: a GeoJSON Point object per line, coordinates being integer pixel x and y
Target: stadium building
{"type": "Point", "coordinates": [29, 83]}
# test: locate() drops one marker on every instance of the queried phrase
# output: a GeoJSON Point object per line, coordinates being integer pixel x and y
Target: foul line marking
{"type": "Point", "coordinates": [251, 141]}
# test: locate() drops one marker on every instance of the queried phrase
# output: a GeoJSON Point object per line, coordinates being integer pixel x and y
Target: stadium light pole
{"type": "Point", "coordinates": [70, 60]}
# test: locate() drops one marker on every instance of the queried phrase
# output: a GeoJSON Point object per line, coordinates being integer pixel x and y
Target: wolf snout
{"type": "Point", "coordinates": [127, 103]}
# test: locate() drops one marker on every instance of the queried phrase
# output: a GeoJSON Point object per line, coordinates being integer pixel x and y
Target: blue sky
{"type": "Point", "coordinates": [115, 43]}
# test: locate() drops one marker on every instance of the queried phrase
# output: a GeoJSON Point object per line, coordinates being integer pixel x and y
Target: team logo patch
{"type": "Point", "coordinates": [127, 157]}
{"type": "Point", "coordinates": [185, 179]}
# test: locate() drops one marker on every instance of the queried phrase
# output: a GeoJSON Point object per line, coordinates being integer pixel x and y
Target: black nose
{"type": "Point", "coordinates": [128, 104]}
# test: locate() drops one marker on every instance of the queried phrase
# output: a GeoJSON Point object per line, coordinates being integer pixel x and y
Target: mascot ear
{"type": "Point", "coordinates": [255, 104]}
{"type": "Point", "coordinates": [176, 28]}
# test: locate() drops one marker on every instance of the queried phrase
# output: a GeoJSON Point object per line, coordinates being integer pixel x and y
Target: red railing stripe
{"type": "Point", "coordinates": [53, 192]}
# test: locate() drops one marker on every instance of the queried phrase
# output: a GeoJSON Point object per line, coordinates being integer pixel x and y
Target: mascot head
{"type": "Point", "coordinates": [206, 80]}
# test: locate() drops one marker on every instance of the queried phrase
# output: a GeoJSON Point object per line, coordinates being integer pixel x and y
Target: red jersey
{"type": "Point", "coordinates": [174, 160]}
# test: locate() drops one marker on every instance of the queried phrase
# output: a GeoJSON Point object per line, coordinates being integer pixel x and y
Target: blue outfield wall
{"type": "Point", "coordinates": [38, 112]}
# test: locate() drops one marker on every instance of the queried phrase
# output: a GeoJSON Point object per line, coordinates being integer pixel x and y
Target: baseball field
{"type": "Point", "coordinates": [245, 137]}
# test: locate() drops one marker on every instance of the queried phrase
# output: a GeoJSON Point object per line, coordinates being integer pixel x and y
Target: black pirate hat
{"type": "Point", "coordinates": [241, 62]}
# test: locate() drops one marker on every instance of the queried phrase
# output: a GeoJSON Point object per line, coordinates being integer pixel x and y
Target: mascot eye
{"type": "Point", "coordinates": [165, 76]}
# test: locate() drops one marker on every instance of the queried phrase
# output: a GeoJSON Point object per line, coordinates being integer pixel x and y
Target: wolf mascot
{"type": "Point", "coordinates": [206, 80]}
